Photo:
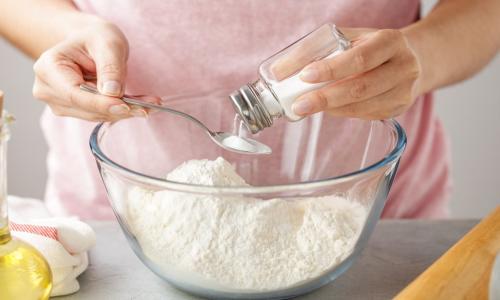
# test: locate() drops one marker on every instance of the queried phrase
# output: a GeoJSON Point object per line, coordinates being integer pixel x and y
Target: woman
{"type": "Point", "coordinates": [167, 47]}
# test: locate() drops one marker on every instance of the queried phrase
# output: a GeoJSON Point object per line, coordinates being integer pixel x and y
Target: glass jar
{"type": "Point", "coordinates": [271, 96]}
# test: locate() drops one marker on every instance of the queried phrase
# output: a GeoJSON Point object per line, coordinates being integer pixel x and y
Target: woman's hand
{"type": "Point", "coordinates": [99, 50]}
{"type": "Point", "coordinates": [376, 79]}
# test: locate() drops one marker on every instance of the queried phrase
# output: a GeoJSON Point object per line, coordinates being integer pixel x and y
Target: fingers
{"type": "Point", "coordinates": [110, 57]}
{"type": "Point", "coordinates": [59, 83]}
{"type": "Point", "coordinates": [100, 50]}
{"type": "Point", "coordinates": [351, 90]}
{"type": "Point", "coordinates": [387, 105]}
{"type": "Point", "coordinates": [375, 79]}
{"type": "Point", "coordinates": [136, 111]}
{"type": "Point", "coordinates": [370, 51]}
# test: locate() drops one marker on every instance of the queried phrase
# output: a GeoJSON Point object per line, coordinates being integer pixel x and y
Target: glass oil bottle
{"type": "Point", "coordinates": [24, 273]}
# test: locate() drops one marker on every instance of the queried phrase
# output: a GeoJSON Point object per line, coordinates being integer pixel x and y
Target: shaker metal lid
{"type": "Point", "coordinates": [248, 106]}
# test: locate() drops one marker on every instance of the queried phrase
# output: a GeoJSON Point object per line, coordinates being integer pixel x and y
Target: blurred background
{"type": "Point", "coordinates": [470, 112]}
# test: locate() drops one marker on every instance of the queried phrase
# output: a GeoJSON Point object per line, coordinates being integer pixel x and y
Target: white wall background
{"type": "Point", "coordinates": [470, 112]}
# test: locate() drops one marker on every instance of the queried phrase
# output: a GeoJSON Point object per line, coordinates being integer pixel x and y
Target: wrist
{"type": "Point", "coordinates": [77, 21]}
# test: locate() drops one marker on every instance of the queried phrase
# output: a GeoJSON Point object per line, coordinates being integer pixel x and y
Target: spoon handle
{"type": "Point", "coordinates": [133, 101]}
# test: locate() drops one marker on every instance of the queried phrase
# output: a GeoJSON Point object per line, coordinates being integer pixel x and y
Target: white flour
{"type": "Point", "coordinates": [207, 172]}
{"type": "Point", "coordinates": [241, 243]}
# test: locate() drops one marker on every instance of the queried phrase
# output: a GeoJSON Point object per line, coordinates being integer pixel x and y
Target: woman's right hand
{"type": "Point", "coordinates": [100, 50]}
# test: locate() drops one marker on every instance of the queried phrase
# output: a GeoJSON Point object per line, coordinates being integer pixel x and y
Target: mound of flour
{"type": "Point", "coordinates": [240, 243]}
{"type": "Point", "coordinates": [207, 172]}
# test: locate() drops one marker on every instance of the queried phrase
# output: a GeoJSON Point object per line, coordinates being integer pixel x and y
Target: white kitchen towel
{"type": "Point", "coordinates": [22, 209]}
{"type": "Point", "coordinates": [64, 242]}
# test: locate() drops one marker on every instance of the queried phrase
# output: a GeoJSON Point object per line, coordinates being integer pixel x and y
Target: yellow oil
{"type": "Point", "coordinates": [24, 273]}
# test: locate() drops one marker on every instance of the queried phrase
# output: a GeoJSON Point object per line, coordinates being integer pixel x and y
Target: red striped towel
{"type": "Point", "coordinates": [47, 231]}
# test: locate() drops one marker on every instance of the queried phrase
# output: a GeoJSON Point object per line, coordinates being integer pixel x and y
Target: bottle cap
{"type": "Point", "coordinates": [250, 109]}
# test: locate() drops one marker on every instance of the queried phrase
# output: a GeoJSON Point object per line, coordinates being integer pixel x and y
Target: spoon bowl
{"type": "Point", "coordinates": [240, 144]}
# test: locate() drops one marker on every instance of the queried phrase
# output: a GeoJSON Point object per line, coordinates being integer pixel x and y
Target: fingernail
{"type": "Point", "coordinates": [302, 107]}
{"type": "Point", "coordinates": [139, 113]}
{"type": "Point", "coordinates": [120, 109]}
{"type": "Point", "coordinates": [309, 74]}
{"type": "Point", "coordinates": [111, 88]}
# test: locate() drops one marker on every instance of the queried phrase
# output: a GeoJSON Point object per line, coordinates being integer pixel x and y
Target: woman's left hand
{"type": "Point", "coordinates": [376, 79]}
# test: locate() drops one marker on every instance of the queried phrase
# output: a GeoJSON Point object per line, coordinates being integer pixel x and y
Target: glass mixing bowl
{"type": "Point", "coordinates": [316, 157]}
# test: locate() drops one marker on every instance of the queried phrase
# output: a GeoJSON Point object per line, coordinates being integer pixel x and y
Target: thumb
{"type": "Point", "coordinates": [111, 67]}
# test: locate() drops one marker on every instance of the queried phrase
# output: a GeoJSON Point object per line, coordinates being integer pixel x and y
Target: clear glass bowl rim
{"type": "Point", "coordinates": [393, 156]}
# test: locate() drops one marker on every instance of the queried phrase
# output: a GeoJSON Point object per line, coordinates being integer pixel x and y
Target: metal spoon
{"type": "Point", "coordinates": [225, 140]}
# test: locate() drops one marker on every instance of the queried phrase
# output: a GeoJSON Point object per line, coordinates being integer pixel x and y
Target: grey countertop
{"type": "Point", "coordinates": [397, 253]}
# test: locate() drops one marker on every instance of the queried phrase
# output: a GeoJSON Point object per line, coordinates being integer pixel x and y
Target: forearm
{"type": "Point", "coordinates": [455, 41]}
{"type": "Point", "coordinates": [33, 26]}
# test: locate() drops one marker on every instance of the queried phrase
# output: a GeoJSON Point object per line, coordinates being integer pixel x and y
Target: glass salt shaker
{"type": "Point", "coordinates": [271, 96]}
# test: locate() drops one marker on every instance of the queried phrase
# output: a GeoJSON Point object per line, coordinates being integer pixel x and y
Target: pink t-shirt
{"type": "Point", "coordinates": [175, 47]}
